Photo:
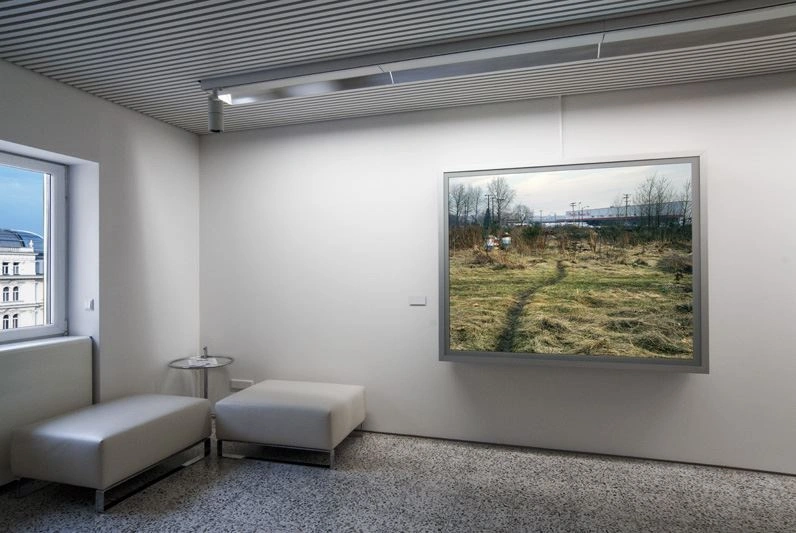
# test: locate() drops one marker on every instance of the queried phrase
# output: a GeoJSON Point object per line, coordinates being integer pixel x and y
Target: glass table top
{"type": "Point", "coordinates": [211, 361]}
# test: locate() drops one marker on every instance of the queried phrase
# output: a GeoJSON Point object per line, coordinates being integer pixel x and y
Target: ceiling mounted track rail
{"type": "Point", "coordinates": [429, 64]}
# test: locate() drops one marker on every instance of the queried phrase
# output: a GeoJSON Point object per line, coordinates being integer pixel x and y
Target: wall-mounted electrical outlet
{"type": "Point", "coordinates": [238, 384]}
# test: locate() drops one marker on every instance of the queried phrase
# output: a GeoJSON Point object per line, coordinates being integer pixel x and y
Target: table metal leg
{"type": "Point", "coordinates": [99, 501]}
{"type": "Point", "coordinates": [204, 387]}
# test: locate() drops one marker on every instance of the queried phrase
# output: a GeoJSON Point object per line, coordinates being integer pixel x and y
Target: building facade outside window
{"type": "Point", "coordinates": [4, 271]}
{"type": "Point", "coordinates": [15, 321]}
{"type": "Point", "coordinates": [5, 321]}
{"type": "Point", "coordinates": [5, 294]}
{"type": "Point", "coordinates": [15, 294]}
{"type": "Point", "coordinates": [16, 269]}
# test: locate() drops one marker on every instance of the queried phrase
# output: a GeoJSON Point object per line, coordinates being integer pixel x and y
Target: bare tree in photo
{"type": "Point", "coordinates": [522, 214]}
{"type": "Point", "coordinates": [644, 198]}
{"type": "Point", "coordinates": [467, 205]}
{"type": "Point", "coordinates": [616, 206]}
{"type": "Point", "coordinates": [656, 201]}
{"type": "Point", "coordinates": [476, 200]}
{"type": "Point", "coordinates": [457, 198]}
{"type": "Point", "coordinates": [662, 200]}
{"type": "Point", "coordinates": [501, 195]}
{"type": "Point", "coordinates": [686, 204]}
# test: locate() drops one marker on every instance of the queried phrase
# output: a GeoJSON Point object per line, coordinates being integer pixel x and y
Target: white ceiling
{"type": "Point", "coordinates": [149, 55]}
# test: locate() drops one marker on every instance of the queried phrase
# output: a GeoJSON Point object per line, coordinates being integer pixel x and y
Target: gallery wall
{"type": "Point", "coordinates": [134, 226]}
{"type": "Point", "coordinates": [313, 239]}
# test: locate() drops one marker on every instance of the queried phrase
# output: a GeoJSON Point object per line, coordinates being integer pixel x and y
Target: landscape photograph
{"type": "Point", "coordinates": [589, 260]}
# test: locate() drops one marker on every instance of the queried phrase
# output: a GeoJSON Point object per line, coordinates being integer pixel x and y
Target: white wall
{"type": "Point", "coordinates": [138, 182]}
{"type": "Point", "coordinates": [314, 237]}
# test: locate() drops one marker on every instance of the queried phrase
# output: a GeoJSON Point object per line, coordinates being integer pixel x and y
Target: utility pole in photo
{"type": "Point", "coordinates": [489, 201]}
{"type": "Point", "coordinates": [627, 199]}
{"type": "Point", "coordinates": [488, 215]}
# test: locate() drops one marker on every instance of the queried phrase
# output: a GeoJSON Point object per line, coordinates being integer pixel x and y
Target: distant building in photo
{"type": "Point", "coordinates": [21, 279]}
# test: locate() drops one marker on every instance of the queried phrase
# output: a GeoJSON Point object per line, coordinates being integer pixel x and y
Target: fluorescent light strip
{"type": "Point", "coordinates": [412, 70]}
{"type": "Point", "coordinates": [279, 83]}
{"type": "Point", "coordinates": [309, 85]}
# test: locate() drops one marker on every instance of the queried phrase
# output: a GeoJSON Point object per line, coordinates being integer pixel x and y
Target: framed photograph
{"type": "Point", "coordinates": [592, 264]}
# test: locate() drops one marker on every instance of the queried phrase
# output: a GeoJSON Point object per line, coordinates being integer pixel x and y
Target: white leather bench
{"type": "Point", "coordinates": [291, 414]}
{"type": "Point", "coordinates": [103, 445]}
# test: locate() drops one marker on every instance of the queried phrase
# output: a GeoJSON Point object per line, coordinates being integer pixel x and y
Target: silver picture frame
{"type": "Point", "coordinates": [626, 216]}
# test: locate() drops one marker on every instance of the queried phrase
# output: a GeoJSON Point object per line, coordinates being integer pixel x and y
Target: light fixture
{"type": "Point", "coordinates": [327, 77]}
{"type": "Point", "coordinates": [484, 57]}
{"type": "Point", "coordinates": [215, 112]}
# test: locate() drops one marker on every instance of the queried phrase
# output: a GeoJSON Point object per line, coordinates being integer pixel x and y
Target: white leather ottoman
{"type": "Point", "coordinates": [102, 445]}
{"type": "Point", "coordinates": [292, 414]}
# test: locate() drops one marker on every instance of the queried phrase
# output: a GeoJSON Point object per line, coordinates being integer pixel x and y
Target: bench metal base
{"type": "Point", "coordinates": [100, 504]}
{"type": "Point", "coordinates": [220, 453]}
{"type": "Point", "coordinates": [99, 494]}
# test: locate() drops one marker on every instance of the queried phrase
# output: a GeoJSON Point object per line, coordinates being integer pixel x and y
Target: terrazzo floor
{"type": "Point", "coordinates": [396, 483]}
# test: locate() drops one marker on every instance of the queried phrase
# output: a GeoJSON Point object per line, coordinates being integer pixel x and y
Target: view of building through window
{"type": "Point", "coordinates": [23, 219]}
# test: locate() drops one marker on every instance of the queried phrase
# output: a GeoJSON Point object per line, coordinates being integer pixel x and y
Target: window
{"type": "Point", "coordinates": [33, 247]}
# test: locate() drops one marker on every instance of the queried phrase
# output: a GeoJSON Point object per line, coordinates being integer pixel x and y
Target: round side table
{"type": "Point", "coordinates": [203, 364]}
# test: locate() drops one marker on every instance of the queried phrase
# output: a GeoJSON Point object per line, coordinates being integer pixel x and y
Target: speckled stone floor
{"type": "Point", "coordinates": [395, 483]}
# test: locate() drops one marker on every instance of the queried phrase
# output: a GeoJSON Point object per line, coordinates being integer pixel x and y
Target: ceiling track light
{"type": "Point", "coordinates": [474, 58]}
{"type": "Point", "coordinates": [215, 113]}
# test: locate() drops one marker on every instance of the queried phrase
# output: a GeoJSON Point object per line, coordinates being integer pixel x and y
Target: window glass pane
{"type": "Point", "coordinates": [23, 234]}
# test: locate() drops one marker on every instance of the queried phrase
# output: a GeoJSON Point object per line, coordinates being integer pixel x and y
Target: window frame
{"type": "Point", "coordinates": [55, 249]}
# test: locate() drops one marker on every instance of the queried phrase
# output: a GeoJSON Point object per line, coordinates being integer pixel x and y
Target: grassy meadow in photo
{"type": "Point", "coordinates": [614, 279]}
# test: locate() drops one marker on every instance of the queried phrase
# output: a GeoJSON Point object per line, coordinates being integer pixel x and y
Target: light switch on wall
{"type": "Point", "coordinates": [417, 300]}
{"type": "Point", "coordinates": [89, 305]}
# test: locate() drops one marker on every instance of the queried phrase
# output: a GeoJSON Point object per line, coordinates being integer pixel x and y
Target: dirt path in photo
{"type": "Point", "coordinates": [507, 338]}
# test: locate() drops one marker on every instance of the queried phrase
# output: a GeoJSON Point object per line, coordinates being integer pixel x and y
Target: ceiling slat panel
{"type": "Point", "coordinates": [214, 31]}
{"type": "Point", "coordinates": [22, 10]}
{"type": "Point", "coordinates": [148, 55]}
{"type": "Point", "coordinates": [307, 23]}
{"type": "Point", "coordinates": [281, 45]}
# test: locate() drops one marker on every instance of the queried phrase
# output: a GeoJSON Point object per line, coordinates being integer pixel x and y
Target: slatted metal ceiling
{"type": "Point", "coordinates": [149, 55]}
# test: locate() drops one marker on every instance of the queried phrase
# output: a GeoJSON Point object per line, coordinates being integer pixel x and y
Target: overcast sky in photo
{"type": "Point", "coordinates": [554, 191]}
{"type": "Point", "coordinates": [21, 199]}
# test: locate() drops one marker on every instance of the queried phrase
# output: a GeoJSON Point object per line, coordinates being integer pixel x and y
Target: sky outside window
{"type": "Point", "coordinates": [21, 199]}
